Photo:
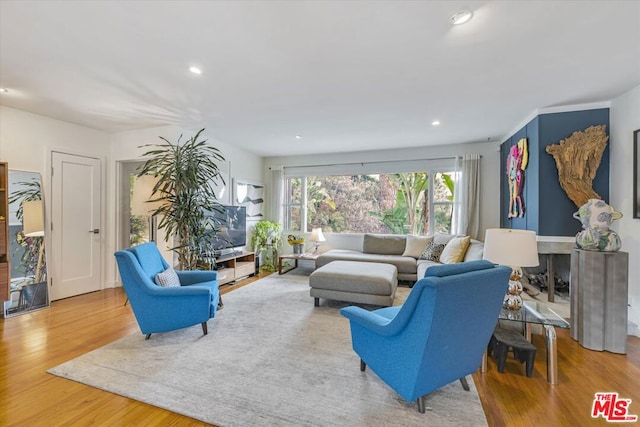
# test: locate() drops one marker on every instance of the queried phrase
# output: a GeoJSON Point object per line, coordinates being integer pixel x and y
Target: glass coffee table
{"type": "Point", "coordinates": [537, 313]}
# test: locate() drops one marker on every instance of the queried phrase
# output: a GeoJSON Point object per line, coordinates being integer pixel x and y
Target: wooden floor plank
{"type": "Point", "coordinates": [35, 342]}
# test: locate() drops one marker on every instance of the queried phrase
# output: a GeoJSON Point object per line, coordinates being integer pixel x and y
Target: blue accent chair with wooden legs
{"type": "Point", "coordinates": [162, 309]}
{"type": "Point", "coordinates": [438, 335]}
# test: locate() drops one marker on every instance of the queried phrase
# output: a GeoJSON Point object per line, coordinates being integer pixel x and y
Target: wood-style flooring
{"type": "Point", "coordinates": [35, 342]}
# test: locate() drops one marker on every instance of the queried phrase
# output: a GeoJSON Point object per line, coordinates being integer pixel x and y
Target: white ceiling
{"type": "Point", "coordinates": [346, 75]}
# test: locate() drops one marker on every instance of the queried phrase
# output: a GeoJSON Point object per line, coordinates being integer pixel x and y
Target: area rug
{"type": "Point", "coordinates": [271, 358]}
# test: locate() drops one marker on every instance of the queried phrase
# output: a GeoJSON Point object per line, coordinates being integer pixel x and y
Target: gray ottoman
{"type": "Point", "coordinates": [354, 281]}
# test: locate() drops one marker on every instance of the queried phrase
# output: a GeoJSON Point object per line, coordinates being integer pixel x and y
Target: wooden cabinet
{"type": "Point", "coordinates": [4, 232]}
{"type": "Point", "coordinates": [235, 267]}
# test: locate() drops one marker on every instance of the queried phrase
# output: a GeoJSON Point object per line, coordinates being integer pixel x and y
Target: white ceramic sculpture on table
{"type": "Point", "coordinates": [596, 216]}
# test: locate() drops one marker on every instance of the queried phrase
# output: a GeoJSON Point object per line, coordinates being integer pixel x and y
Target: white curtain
{"type": "Point", "coordinates": [275, 189]}
{"type": "Point", "coordinates": [466, 197]}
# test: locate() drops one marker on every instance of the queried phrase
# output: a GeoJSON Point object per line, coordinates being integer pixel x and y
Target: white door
{"type": "Point", "coordinates": [76, 234]}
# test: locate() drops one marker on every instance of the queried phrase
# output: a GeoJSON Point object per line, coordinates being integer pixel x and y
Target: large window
{"type": "Point", "coordinates": [397, 203]}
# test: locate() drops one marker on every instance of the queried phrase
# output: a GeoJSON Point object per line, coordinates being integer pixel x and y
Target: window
{"type": "Point", "coordinates": [388, 203]}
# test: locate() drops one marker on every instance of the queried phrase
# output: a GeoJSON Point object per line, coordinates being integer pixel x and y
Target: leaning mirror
{"type": "Point", "coordinates": [28, 287]}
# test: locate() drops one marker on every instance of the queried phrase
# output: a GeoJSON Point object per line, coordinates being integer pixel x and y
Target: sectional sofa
{"type": "Point", "coordinates": [407, 252]}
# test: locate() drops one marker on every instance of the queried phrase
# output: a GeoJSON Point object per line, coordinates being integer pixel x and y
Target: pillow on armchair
{"type": "Point", "coordinates": [167, 278]}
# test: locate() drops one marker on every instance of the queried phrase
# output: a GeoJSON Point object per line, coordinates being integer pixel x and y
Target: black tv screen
{"type": "Point", "coordinates": [228, 228]}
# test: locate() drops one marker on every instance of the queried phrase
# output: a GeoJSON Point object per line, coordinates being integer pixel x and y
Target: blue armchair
{"type": "Point", "coordinates": [438, 335]}
{"type": "Point", "coordinates": [162, 309]}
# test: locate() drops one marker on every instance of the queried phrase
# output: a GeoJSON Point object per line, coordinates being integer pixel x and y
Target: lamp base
{"type": "Point", "coordinates": [512, 299]}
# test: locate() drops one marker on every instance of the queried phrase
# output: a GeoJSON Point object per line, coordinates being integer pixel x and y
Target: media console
{"type": "Point", "coordinates": [235, 266]}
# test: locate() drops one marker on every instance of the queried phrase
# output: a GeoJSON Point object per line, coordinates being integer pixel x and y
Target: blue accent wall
{"type": "Point", "coordinates": [548, 209]}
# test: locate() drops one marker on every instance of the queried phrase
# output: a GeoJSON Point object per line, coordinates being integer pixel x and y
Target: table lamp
{"type": "Point", "coordinates": [33, 226]}
{"type": "Point", "coordinates": [316, 237]}
{"type": "Point", "coordinates": [515, 248]}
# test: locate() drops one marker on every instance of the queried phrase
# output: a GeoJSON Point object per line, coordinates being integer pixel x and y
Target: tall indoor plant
{"type": "Point", "coordinates": [186, 177]}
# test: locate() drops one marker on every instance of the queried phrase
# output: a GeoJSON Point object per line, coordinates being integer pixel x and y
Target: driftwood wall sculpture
{"type": "Point", "coordinates": [577, 159]}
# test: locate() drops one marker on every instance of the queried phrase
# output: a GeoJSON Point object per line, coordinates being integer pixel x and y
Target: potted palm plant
{"type": "Point", "coordinates": [186, 174]}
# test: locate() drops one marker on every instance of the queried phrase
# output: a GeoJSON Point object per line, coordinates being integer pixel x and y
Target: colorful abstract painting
{"type": "Point", "coordinates": [516, 164]}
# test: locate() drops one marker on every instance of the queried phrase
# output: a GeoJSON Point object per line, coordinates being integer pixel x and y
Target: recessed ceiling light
{"type": "Point", "coordinates": [461, 17]}
{"type": "Point", "coordinates": [3, 90]}
{"type": "Point", "coordinates": [435, 123]}
{"type": "Point", "coordinates": [298, 136]}
{"type": "Point", "coordinates": [195, 70]}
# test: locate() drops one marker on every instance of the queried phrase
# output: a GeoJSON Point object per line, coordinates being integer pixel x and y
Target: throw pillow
{"type": "Point", "coordinates": [167, 278]}
{"type": "Point", "coordinates": [455, 250]}
{"type": "Point", "coordinates": [415, 245]}
{"type": "Point", "coordinates": [432, 252]}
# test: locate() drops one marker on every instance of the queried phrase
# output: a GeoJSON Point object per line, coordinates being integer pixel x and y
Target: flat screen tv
{"type": "Point", "coordinates": [227, 229]}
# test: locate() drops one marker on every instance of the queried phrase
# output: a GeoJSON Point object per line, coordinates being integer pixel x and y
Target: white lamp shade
{"type": "Point", "coordinates": [32, 218]}
{"type": "Point", "coordinates": [316, 235]}
{"type": "Point", "coordinates": [515, 248]}
{"type": "Point", "coordinates": [142, 193]}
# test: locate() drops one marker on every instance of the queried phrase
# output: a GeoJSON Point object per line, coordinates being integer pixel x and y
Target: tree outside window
{"type": "Point", "coordinates": [397, 203]}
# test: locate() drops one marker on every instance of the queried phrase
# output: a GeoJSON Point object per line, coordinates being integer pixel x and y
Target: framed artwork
{"type": "Point", "coordinates": [221, 189]}
{"type": "Point", "coordinates": [251, 195]}
{"type": "Point", "coordinates": [636, 174]}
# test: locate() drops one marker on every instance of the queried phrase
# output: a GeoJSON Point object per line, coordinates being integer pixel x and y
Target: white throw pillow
{"type": "Point", "coordinates": [415, 245]}
{"type": "Point", "coordinates": [167, 278]}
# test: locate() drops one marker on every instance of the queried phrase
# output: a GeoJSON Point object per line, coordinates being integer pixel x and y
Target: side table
{"type": "Point", "coordinates": [296, 258]}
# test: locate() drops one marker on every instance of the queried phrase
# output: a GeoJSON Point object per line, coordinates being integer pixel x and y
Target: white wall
{"type": "Point", "coordinates": [624, 119]}
{"type": "Point", "coordinates": [26, 139]}
{"type": "Point", "coordinates": [490, 177]}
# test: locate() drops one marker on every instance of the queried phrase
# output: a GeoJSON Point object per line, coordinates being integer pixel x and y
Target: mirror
{"type": "Point", "coordinates": [28, 288]}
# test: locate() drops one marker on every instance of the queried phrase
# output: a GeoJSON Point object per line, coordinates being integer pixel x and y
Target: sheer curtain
{"type": "Point", "coordinates": [466, 197]}
{"type": "Point", "coordinates": [276, 183]}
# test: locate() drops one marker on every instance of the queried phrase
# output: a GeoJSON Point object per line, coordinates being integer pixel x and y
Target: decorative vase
{"type": "Point", "coordinates": [596, 216]}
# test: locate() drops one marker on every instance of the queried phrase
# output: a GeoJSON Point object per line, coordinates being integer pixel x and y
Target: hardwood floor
{"type": "Point", "coordinates": [35, 342]}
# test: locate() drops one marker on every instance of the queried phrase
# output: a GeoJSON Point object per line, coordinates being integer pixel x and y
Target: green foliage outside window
{"type": "Point", "coordinates": [378, 203]}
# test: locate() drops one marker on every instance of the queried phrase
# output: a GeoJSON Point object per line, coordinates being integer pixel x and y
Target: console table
{"type": "Point", "coordinates": [551, 246]}
{"type": "Point", "coordinates": [235, 266]}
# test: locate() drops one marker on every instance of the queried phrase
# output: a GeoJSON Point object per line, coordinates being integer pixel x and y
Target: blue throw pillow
{"type": "Point", "coordinates": [167, 278]}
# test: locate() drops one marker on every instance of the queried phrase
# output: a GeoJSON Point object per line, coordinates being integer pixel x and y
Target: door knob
{"type": "Point", "coordinates": [95, 231]}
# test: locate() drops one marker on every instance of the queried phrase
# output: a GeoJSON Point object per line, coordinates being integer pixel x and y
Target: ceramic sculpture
{"type": "Point", "coordinates": [596, 216]}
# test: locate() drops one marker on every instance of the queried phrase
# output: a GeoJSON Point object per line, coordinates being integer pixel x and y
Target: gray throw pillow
{"type": "Point", "coordinates": [167, 278]}
{"type": "Point", "coordinates": [432, 252]}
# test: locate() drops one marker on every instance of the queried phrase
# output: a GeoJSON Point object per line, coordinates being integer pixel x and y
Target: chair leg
{"type": "Point", "coordinates": [421, 404]}
{"type": "Point", "coordinates": [316, 302]}
{"type": "Point", "coordinates": [147, 336]}
{"type": "Point", "coordinates": [204, 328]}
{"type": "Point", "coordinates": [363, 365]}
{"type": "Point", "coordinates": [465, 384]}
